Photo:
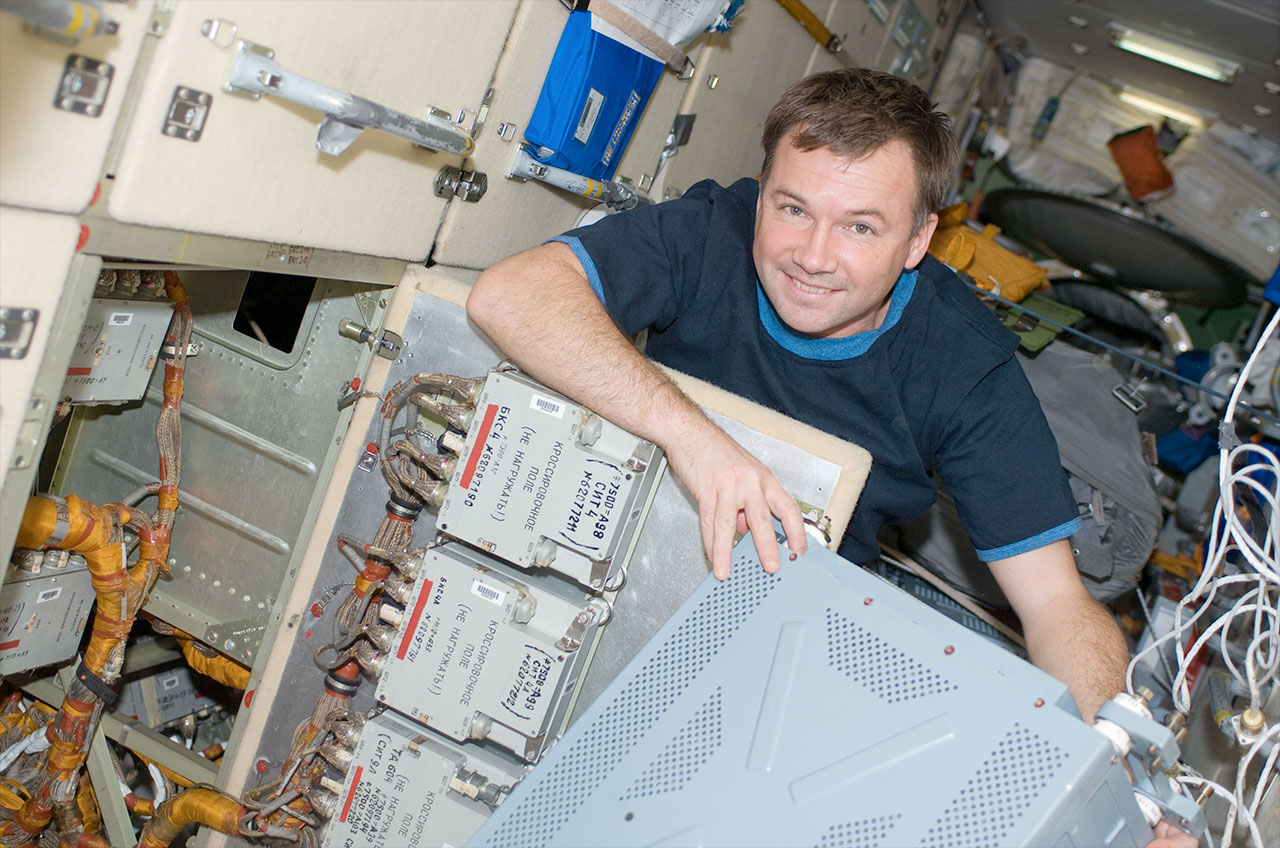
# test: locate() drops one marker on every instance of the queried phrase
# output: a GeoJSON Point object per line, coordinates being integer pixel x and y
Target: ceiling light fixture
{"type": "Point", "coordinates": [1171, 53]}
{"type": "Point", "coordinates": [1151, 103]}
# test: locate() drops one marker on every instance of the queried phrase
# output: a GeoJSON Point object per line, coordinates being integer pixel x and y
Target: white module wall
{"type": "Point", "coordinates": [254, 171]}
{"type": "Point", "coordinates": [59, 103]}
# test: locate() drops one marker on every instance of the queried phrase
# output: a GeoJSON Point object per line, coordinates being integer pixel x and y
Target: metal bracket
{"type": "Point", "coordinates": [255, 73]}
{"type": "Point", "coordinates": [1152, 749]}
{"type": "Point", "coordinates": [17, 327]}
{"type": "Point", "coordinates": [188, 110]}
{"type": "Point", "coordinates": [1128, 394]}
{"type": "Point", "coordinates": [577, 630]}
{"type": "Point", "coordinates": [388, 345]}
{"type": "Point", "coordinates": [681, 129]}
{"type": "Point", "coordinates": [160, 17]}
{"type": "Point", "coordinates": [817, 522]}
{"type": "Point", "coordinates": [641, 457]}
{"type": "Point", "coordinates": [455, 182]}
{"type": "Point", "coordinates": [84, 85]}
{"type": "Point", "coordinates": [221, 33]}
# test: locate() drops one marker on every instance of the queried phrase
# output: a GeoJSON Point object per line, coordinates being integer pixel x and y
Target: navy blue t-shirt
{"type": "Point", "coordinates": [935, 388]}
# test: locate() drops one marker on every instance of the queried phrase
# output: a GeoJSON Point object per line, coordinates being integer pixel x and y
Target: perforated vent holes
{"type": "Point", "coordinates": [687, 752]}
{"type": "Point", "coordinates": [864, 834]}
{"type": "Point", "coordinates": [995, 798]}
{"type": "Point", "coordinates": [561, 786]}
{"type": "Point", "coordinates": [877, 665]}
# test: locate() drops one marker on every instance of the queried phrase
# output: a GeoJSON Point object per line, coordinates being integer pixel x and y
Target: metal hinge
{"type": "Point", "coordinates": [455, 182]}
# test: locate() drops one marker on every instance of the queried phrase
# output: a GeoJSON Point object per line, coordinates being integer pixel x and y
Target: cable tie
{"type": "Point", "coordinates": [1227, 438]}
{"type": "Point", "coordinates": [95, 684]}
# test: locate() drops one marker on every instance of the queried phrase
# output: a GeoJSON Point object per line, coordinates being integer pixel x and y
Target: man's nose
{"type": "Point", "coordinates": [814, 252]}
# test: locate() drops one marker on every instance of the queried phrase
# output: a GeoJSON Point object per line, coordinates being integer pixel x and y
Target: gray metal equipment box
{"type": "Point", "coordinates": [484, 653]}
{"type": "Point", "coordinates": [407, 786]}
{"type": "Point", "coordinates": [164, 697]}
{"type": "Point", "coordinates": [117, 350]}
{"type": "Point", "coordinates": [44, 612]}
{"type": "Point", "coordinates": [545, 482]}
{"type": "Point", "coordinates": [823, 706]}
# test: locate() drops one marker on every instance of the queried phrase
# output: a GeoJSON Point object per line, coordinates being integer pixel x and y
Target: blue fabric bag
{"type": "Point", "coordinates": [590, 102]}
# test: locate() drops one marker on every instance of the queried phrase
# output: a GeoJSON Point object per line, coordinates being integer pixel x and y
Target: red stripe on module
{"type": "Point", "coordinates": [413, 619]}
{"type": "Point", "coordinates": [7, 645]}
{"type": "Point", "coordinates": [79, 372]}
{"type": "Point", "coordinates": [470, 469]}
{"type": "Point", "coordinates": [351, 794]}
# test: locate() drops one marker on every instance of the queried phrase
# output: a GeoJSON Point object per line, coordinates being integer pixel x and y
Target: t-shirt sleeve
{"type": "Point", "coordinates": [1000, 463]}
{"type": "Point", "coordinates": [639, 262]}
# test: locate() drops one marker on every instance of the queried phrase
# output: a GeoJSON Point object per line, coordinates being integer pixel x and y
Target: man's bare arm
{"type": "Point", "coordinates": [1069, 634]}
{"type": "Point", "coordinates": [539, 309]}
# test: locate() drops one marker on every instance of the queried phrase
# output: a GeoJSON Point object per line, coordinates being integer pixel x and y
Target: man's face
{"type": "Point", "coordinates": [833, 234]}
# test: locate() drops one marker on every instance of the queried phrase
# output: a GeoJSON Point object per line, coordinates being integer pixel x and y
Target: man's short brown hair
{"type": "Point", "coordinates": [855, 112]}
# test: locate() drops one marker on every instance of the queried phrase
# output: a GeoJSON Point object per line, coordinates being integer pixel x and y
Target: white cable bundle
{"type": "Point", "coordinates": [1257, 607]}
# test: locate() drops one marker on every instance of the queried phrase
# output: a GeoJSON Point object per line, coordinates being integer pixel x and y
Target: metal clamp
{"type": "Point", "coordinates": [615, 195]}
{"type": "Point", "coordinates": [255, 73]}
{"type": "Point", "coordinates": [386, 344]}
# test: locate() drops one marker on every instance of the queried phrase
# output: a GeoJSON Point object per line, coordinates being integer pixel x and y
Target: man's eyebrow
{"type": "Point", "coordinates": [867, 213]}
{"type": "Point", "coordinates": [787, 194]}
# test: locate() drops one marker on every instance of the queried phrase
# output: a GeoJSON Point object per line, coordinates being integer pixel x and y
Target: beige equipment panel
{"type": "Point", "coordinates": [253, 171]}
{"type": "Point", "coordinates": [45, 288]}
{"type": "Point", "coordinates": [59, 103]}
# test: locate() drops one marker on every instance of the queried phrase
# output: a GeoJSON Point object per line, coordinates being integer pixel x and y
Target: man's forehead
{"type": "Point", "coordinates": [842, 162]}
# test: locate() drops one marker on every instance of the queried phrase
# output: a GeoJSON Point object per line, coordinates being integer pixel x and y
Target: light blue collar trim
{"type": "Point", "coordinates": [1062, 531]}
{"type": "Point", "coordinates": [846, 347]}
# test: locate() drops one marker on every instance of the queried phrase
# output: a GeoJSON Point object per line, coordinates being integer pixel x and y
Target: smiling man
{"type": "Point", "coordinates": [811, 292]}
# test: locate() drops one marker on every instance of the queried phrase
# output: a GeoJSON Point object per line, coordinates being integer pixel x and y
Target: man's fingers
{"type": "Point", "coordinates": [723, 524]}
{"type": "Point", "coordinates": [760, 520]}
{"type": "Point", "coordinates": [784, 506]}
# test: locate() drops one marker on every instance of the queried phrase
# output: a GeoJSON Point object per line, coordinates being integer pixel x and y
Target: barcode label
{"type": "Point", "coordinates": [490, 594]}
{"type": "Point", "coordinates": [120, 319]}
{"type": "Point", "coordinates": [48, 595]}
{"type": "Point", "coordinates": [547, 405]}
{"type": "Point", "coordinates": [587, 120]}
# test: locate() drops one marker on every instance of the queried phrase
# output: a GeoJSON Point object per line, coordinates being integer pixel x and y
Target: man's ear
{"type": "Point", "coordinates": [920, 241]}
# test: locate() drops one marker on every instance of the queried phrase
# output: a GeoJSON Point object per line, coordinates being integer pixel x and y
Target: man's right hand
{"type": "Point", "coordinates": [735, 493]}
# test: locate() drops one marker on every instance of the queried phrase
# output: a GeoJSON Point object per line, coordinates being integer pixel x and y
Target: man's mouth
{"type": "Point", "coordinates": [809, 289]}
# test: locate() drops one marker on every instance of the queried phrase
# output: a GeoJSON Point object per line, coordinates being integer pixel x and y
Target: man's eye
{"type": "Point", "coordinates": [794, 210]}
{"type": "Point", "coordinates": [861, 229]}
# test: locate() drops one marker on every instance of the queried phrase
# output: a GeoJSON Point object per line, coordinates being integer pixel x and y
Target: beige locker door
{"type": "Point", "coordinates": [740, 75]}
{"type": "Point", "coordinates": [45, 287]}
{"type": "Point", "coordinates": [513, 215]}
{"type": "Point", "coordinates": [255, 172]}
{"type": "Point", "coordinates": [53, 140]}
